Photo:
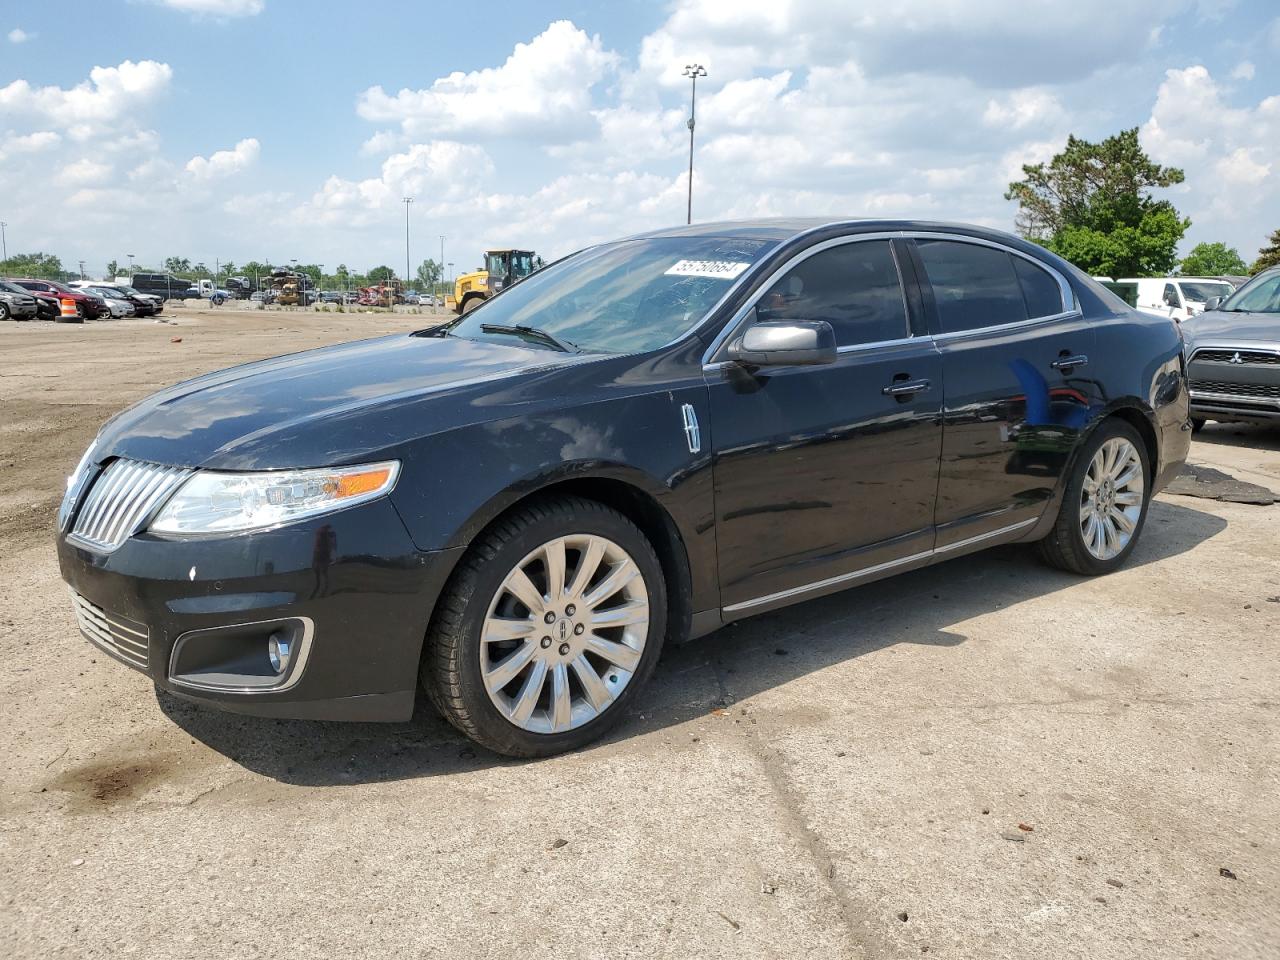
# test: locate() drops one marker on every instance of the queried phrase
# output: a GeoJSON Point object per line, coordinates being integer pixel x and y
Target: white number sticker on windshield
{"type": "Point", "coordinates": [720, 269]}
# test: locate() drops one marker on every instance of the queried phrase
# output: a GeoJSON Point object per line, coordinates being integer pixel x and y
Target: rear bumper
{"type": "Point", "coordinates": [196, 615]}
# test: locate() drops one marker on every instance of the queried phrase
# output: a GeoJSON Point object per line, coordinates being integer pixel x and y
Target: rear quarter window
{"type": "Point", "coordinates": [1039, 289]}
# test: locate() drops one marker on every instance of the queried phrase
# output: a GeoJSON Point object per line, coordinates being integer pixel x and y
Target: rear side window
{"type": "Point", "coordinates": [853, 286]}
{"type": "Point", "coordinates": [1039, 289]}
{"type": "Point", "coordinates": [973, 286]}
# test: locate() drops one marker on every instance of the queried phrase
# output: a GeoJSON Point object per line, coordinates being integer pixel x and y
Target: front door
{"type": "Point", "coordinates": [1015, 358]}
{"type": "Point", "coordinates": [825, 471]}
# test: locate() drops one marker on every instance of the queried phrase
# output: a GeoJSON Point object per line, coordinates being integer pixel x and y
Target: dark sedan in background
{"type": "Point", "coordinates": [637, 444]}
{"type": "Point", "coordinates": [1233, 355]}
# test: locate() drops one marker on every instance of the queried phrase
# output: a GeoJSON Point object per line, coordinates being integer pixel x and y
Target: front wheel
{"type": "Point", "coordinates": [548, 629]}
{"type": "Point", "coordinates": [4, 310]}
{"type": "Point", "coordinates": [1104, 505]}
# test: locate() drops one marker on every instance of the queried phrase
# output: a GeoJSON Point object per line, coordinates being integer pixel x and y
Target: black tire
{"type": "Point", "coordinates": [1197, 424]}
{"type": "Point", "coordinates": [78, 317]}
{"type": "Point", "coordinates": [4, 311]}
{"type": "Point", "coordinates": [1064, 547]}
{"type": "Point", "coordinates": [471, 303]}
{"type": "Point", "coordinates": [451, 671]}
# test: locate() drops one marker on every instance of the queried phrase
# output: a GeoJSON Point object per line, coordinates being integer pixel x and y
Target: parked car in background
{"type": "Point", "coordinates": [119, 305]}
{"type": "Point", "coordinates": [16, 303]}
{"type": "Point", "coordinates": [47, 305]}
{"type": "Point", "coordinates": [1236, 282]}
{"type": "Point", "coordinates": [331, 296]}
{"type": "Point", "coordinates": [88, 306]}
{"type": "Point", "coordinates": [637, 444]}
{"type": "Point", "coordinates": [261, 296]}
{"type": "Point", "coordinates": [1177, 297]}
{"type": "Point", "coordinates": [143, 306]}
{"type": "Point", "coordinates": [163, 285]}
{"type": "Point", "coordinates": [1233, 355]}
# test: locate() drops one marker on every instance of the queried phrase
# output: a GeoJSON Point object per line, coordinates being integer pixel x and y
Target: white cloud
{"type": "Point", "coordinates": [109, 93]}
{"type": "Point", "coordinates": [431, 172]}
{"type": "Point", "coordinates": [1244, 70]}
{"type": "Point", "coordinates": [1226, 152]}
{"type": "Point", "coordinates": [224, 163]}
{"type": "Point", "coordinates": [83, 172]}
{"type": "Point", "coordinates": [1023, 108]}
{"type": "Point", "coordinates": [222, 9]}
{"type": "Point", "coordinates": [31, 142]}
{"type": "Point", "coordinates": [542, 90]}
{"type": "Point", "coordinates": [18, 35]}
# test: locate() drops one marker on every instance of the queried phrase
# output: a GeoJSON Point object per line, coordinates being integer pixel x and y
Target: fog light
{"type": "Point", "coordinates": [279, 650]}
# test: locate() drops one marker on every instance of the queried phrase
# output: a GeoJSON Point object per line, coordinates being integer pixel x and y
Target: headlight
{"type": "Point", "coordinates": [75, 484]}
{"type": "Point", "coordinates": [212, 502]}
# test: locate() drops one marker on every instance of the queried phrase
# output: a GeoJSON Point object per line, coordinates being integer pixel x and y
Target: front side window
{"type": "Point", "coordinates": [974, 286]}
{"type": "Point", "coordinates": [1171, 296]}
{"type": "Point", "coordinates": [623, 297]}
{"type": "Point", "coordinates": [852, 286]}
{"type": "Point", "coordinates": [1199, 291]}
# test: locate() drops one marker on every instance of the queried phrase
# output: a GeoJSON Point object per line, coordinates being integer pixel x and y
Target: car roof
{"type": "Point", "coordinates": [785, 228]}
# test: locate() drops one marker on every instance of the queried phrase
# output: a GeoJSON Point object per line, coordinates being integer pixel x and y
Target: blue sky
{"type": "Point", "coordinates": [270, 129]}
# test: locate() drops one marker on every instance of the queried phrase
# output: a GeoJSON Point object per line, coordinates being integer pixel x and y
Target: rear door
{"type": "Point", "coordinates": [824, 474]}
{"type": "Point", "coordinates": [1015, 359]}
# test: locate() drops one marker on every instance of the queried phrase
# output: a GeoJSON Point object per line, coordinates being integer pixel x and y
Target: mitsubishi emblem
{"type": "Point", "coordinates": [1235, 358]}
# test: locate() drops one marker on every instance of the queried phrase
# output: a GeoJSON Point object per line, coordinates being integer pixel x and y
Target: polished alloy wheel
{"type": "Point", "coordinates": [1111, 498]}
{"type": "Point", "coordinates": [564, 633]}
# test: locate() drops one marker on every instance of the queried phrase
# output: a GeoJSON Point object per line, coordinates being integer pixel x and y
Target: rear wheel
{"type": "Point", "coordinates": [1104, 506]}
{"type": "Point", "coordinates": [4, 310]}
{"type": "Point", "coordinates": [548, 629]}
{"type": "Point", "coordinates": [471, 303]}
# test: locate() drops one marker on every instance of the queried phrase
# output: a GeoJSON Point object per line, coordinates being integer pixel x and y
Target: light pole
{"type": "Point", "coordinates": [440, 279]}
{"type": "Point", "coordinates": [81, 268]}
{"type": "Point", "coordinates": [320, 284]}
{"type": "Point", "coordinates": [4, 242]}
{"type": "Point", "coordinates": [693, 71]}
{"type": "Point", "coordinates": [407, 201]}
{"type": "Point", "coordinates": [130, 256]}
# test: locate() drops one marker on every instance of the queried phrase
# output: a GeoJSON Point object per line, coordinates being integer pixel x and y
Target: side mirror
{"type": "Point", "coordinates": [1212, 303]}
{"type": "Point", "coordinates": [785, 343]}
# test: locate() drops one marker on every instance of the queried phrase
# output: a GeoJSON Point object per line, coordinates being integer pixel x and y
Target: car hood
{"type": "Point", "coordinates": [1221, 325]}
{"type": "Point", "coordinates": [341, 404]}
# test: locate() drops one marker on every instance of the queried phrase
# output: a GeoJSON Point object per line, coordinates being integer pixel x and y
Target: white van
{"type": "Point", "coordinates": [1178, 297]}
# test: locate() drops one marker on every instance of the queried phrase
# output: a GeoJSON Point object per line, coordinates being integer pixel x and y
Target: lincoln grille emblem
{"type": "Point", "coordinates": [1235, 359]}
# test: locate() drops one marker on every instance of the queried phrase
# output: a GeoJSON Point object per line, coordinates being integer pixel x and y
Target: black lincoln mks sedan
{"type": "Point", "coordinates": [634, 445]}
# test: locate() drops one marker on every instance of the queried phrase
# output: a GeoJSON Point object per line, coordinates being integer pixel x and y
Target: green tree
{"type": "Point", "coordinates": [43, 265]}
{"type": "Point", "coordinates": [381, 274]}
{"type": "Point", "coordinates": [1268, 256]}
{"type": "Point", "coordinates": [113, 270]}
{"type": "Point", "coordinates": [428, 274]}
{"type": "Point", "coordinates": [177, 265]}
{"type": "Point", "coordinates": [1092, 205]}
{"type": "Point", "coordinates": [1212, 260]}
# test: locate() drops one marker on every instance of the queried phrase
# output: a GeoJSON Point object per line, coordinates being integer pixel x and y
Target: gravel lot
{"type": "Point", "coordinates": [984, 759]}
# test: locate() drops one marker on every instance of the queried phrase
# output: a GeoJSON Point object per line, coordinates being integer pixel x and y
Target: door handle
{"type": "Point", "coordinates": [905, 388]}
{"type": "Point", "coordinates": [1070, 362]}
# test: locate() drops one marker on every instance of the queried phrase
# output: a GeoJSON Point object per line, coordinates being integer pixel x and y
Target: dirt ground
{"type": "Point", "coordinates": [984, 759]}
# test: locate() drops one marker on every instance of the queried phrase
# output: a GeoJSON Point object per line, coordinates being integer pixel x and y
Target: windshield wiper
{"type": "Point", "coordinates": [531, 333]}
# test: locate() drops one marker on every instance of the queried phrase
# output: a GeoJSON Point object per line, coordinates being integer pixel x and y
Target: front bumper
{"type": "Point", "coordinates": [1236, 381]}
{"type": "Point", "coordinates": [352, 579]}
{"type": "Point", "coordinates": [23, 311]}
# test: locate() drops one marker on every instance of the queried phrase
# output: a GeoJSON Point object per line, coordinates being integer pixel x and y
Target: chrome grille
{"type": "Point", "coordinates": [1260, 390]}
{"type": "Point", "coordinates": [127, 639]}
{"type": "Point", "coordinates": [121, 500]}
{"type": "Point", "coordinates": [1220, 355]}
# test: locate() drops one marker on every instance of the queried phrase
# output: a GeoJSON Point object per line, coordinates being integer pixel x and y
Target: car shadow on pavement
{"type": "Point", "coordinates": [695, 678]}
{"type": "Point", "coordinates": [1252, 436]}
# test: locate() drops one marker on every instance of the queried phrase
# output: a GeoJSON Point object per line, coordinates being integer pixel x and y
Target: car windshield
{"type": "Point", "coordinates": [8, 287]}
{"type": "Point", "coordinates": [1259, 295]}
{"type": "Point", "coordinates": [1201, 292]}
{"type": "Point", "coordinates": [622, 297]}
